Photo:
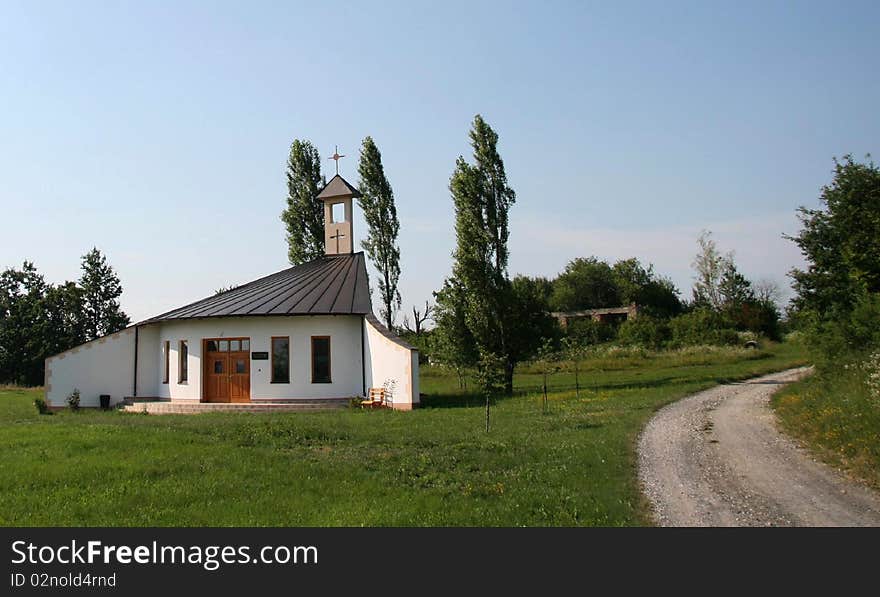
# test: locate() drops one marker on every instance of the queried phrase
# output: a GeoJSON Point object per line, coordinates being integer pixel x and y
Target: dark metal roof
{"type": "Point", "coordinates": [338, 187]}
{"type": "Point", "coordinates": [330, 285]}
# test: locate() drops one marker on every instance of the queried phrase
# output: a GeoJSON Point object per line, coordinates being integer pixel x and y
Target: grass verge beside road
{"type": "Point", "coordinates": [834, 413]}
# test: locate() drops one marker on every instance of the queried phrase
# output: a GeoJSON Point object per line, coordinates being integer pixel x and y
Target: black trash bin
{"type": "Point", "coordinates": [105, 401]}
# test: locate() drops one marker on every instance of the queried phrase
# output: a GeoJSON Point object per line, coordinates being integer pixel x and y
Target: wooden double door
{"type": "Point", "coordinates": [227, 373]}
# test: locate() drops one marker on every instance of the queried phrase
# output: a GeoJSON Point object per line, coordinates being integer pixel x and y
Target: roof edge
{"type": "Point", "coordinates": [374, 321]}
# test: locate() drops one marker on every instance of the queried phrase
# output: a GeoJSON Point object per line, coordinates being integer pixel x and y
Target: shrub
{"type": "Point", "coordinates": [702, 326]}
{"type": "Point", "coordinates": [646, 331]}
{"type": "Point", "coordinates": [870, 368]}
{"type": "Point", "coordinates": [585, 331]}
{"type": "Point", "coordinates": [73, 400]}
{"type": "Point", "coordinates": [42, 407]}
{"type": "Point", "coordinates": [848, 336]}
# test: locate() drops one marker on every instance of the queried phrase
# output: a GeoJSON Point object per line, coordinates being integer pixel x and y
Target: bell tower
{"type": "Point", "coordinates": [337, 196]}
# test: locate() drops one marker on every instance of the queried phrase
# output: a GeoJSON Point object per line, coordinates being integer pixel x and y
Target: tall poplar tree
{"type": "Point", "coordinates": [484, 293]}
{"type": "Point", "coordinates": [304, 215]}
{"type": "Point", "coordinates": [101, 290]}
{"type": "Point", "coordinates": [377, 203]}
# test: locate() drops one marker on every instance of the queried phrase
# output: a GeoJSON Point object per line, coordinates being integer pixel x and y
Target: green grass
{"type": "Point", "coordinates": [434, 466]}
{"type": "Point", "coordinates": [838, 418]}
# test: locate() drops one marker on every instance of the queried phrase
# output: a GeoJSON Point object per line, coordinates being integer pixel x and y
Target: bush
{"type": "Point", "coordinates": [42, 407]}
{"type": "Point", "coordinates": [848, 336]}
{"type": "Point", "coordinates": [585, 331]}
{"type": "Point", "coordinates": [702, 326]}
{"type": "Point", "coordinates": [755, 316]}
{"type": "Point", "coordinates": [646, 331]}
{"type": "Point", "coordinates": [73, 400]}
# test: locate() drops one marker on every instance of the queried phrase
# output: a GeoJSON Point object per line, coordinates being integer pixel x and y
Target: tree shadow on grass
{"type": "Point", "coordinates": [469, 400]}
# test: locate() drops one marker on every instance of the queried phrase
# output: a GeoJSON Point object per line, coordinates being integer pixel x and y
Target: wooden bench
{"type": "Point", "coordinates": [375, 399]}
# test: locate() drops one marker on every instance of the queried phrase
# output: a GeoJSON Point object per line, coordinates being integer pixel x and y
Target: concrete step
{"type": "Point", "coordinates": [176, 407]}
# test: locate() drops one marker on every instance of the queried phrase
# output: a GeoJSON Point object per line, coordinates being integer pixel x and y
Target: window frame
{"type": "Point", "coordinates": [329, 359]}
{"type": "Point", "coordinates": [182, 362]}
{"type": "Point", "coordinates": [272, 359]}
{"type": "Point", "coordinates": [167, 348]}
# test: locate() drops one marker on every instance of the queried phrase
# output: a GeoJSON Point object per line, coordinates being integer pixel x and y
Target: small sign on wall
{"type": "Point", "coordinates": [260, 356]}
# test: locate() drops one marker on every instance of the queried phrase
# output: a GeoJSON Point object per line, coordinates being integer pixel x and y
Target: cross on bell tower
{"type": "Point", "coordinates": [336, 157]}
{"type": "Point", "coordinates": [338, 239]}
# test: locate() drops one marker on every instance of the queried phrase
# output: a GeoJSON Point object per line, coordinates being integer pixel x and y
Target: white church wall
{"type": "Point", "coordinates": [345, 354]}
{"type": "Point", "coordinates": [148, 360]}
{"type": "Point", "coordinates": [388, 359]}
{"type": "Point", "coordinates": [102, 366]}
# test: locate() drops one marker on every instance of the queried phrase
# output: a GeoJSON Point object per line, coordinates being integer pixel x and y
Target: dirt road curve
{"type": "Point", "coordinates": [717, 459]}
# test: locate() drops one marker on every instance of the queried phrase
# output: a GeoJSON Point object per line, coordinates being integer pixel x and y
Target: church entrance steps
{"type": "Point", "coordinates": [179, 407]}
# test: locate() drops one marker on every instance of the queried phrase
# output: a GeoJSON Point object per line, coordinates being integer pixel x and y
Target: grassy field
{"type": "Point", "coordinates": [574, 465]}
{"type": "Point", "coordinates": [836, 416]}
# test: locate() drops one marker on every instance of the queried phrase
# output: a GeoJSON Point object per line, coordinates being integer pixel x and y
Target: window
{"type": "Point", "coordinates": [167, 347]}
{"type": "Point", "coordinates": [320, 359]}
{"type": "Point", "coordinates": [183, 367]}
{"type": "Point", "coordinates": [337, 212]}
{"type": "Point", "coordinates": [281, 360]}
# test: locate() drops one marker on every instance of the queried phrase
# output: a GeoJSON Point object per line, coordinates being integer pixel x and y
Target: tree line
{"type": "Point", "coordinates": [39, 319]}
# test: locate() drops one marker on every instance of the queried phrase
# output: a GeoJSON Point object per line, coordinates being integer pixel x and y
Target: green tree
{"type": "Point", "coordinates": [479, 294]}
{"type": "Point", "coordinates": [586, 283]}
{"type": "Point", "coordinates": [734, 289]}
{"type": "Point", "coordinates": [452, 343]}
{"type": "Point", "coordinates": [841, 242]}
{"type": "Point", "coordinates": [101, 290]}
{"type": "Point", "coordinates": [377, 203]}
{"type": "Point", "coordinates": [530, 323]}
{"type": "Point", "coordinates": [709, 265]}
{"type": "Point", "coordinates": [654, 294]}
{"type": "Point", "coordinates": [304, 215]}
{"type": "Point", "coordinates": [23, 325]}
{"type": "Point", "coordinates": [66, 323]}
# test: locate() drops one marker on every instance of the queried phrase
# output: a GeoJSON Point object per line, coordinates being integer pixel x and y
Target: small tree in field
{"type": "Point", "coordinates": [548, 365]}
{"type": "Point", "coordinates": [574, 352]}
{"type": "Point", "coordinates": [490, 376]}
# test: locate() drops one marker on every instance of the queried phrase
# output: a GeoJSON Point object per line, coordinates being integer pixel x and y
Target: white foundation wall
{"type": "Point", "coordinates": [103, 366]}
{"type": "Point", "coordinates": [346, 363]}
{"type": "Point", "coordinates": [387, 360]}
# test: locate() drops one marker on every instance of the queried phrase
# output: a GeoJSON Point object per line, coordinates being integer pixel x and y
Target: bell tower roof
{"type": "Point", "coordinates": [336, 188]}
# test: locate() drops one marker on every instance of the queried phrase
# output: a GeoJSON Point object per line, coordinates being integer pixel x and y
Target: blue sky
{"type": "Point", "coordinates": [158, 131]}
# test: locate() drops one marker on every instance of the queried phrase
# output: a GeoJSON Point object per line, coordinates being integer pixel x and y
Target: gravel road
{"type": "Point", "coordinates": [717, 459]}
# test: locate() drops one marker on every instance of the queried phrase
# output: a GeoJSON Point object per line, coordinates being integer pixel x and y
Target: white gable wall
{"type": "Point", "coordinates": [387, 361]}
{"type": "Point", "coordinates": [102, 366]}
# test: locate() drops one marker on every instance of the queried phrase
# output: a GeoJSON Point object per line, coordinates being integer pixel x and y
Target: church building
{"type": "Point", "coordinates": [303, 336]}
